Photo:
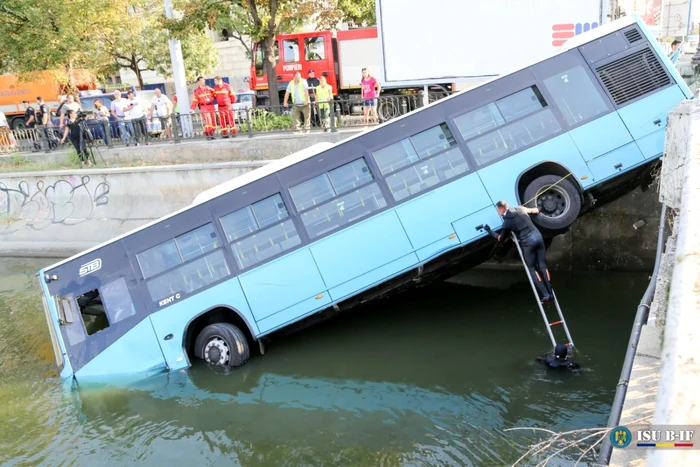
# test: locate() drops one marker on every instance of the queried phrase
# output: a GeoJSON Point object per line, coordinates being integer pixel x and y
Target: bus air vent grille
{"type": "Point", "coordinates": [633, 36]}
{"type": "Point", "coordinates": [633, 76]}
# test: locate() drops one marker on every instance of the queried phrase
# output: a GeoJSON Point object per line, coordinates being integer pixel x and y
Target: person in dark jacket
{"type": "Point", "coordinates": [558, 359]}
{"type": "Point", "coordinates": [518, 220]}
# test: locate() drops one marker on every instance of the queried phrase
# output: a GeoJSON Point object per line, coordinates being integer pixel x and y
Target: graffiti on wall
{"type": "Point", "coordinates": [69, 201]}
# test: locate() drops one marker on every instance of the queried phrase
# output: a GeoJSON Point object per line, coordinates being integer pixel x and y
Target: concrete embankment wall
{"type": "Point", "coordinates": [241, 148]}
{"type": "Point", "coordinates": [663, 385]}
{"type": "Point", "coordinates": [678, 398]}
{"type": "Point", "coordinates": [63, 212]}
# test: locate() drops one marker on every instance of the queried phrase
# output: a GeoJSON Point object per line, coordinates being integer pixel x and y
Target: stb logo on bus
{"type": "Point", "coordinates": [90, 267]}
{"type": "Point", "coordinates": [563, 32]}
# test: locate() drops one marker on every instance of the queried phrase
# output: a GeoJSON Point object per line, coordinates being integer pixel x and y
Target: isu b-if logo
{"type": "Point", "coordinates": [620, 437]}
{"type": "Point", "coordinates": [563, 32]}
{"type": "Point", "coordinates": [90, 267]}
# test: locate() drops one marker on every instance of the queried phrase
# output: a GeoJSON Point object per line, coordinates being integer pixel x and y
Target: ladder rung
{"type": "Point", "coordinates": [555, 323]}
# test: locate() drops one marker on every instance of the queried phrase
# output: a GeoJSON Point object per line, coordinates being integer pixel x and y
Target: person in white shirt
{"type": "Point", "coordinates": [7, 139]}
{"type": "Point", "coordinates": [120, 111]}
{"type": "Point", "coordinates": [137, 116]}
{"type": "Point", "coordinates": [162, 107]}
{"type": "Point", "coordinates": [69, 105]}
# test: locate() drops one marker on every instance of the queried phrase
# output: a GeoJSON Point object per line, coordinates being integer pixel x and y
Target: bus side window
{"type": "Point", "coordinates": [93, 311]}
{"type": "Point", "coordinates": [72, 327]}
{"type": "Point", "coordinates": [117, 300]}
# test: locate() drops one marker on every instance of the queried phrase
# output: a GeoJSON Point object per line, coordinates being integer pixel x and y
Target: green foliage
{"type": "Point", "coordinates": [360, 12]}
{"type": "Point", "coordinates": [54, 35]}
{"type": "Point", "coordinates": [262, 120]}
{"type": "Point", "coordinates": [98, 36]}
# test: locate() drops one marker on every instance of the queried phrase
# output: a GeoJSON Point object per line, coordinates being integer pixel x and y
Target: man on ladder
{"type": "Point", "coordinates": [517, 220]}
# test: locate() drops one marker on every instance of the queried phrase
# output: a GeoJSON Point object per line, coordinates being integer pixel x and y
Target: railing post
{"type": "Point", "coordinates": [331, 107]}
{"type": "Point", "coordinates": [175, 121]}
{"type": "Point", "coordinates": [108, 133]}
{"type": "Point", "coordinates": [250, 123]}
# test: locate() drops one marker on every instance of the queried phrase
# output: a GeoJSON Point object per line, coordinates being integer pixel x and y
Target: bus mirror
{"type": "Point", "coordinates": [65, 310]}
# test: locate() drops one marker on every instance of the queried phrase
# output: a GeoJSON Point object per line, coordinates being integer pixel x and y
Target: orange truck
{"type": "Point", "coordinates": [13, 91]}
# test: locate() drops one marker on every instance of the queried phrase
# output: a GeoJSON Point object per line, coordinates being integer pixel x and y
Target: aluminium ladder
{"type": "Point", "coordinates": [549, 325]}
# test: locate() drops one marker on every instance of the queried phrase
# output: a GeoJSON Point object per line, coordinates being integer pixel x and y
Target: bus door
{"type": "Point", "coordinates": [103, 324]}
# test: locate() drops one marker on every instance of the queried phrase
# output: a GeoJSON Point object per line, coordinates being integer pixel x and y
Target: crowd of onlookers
{"type": "Point", "coordinates": [130, 120]}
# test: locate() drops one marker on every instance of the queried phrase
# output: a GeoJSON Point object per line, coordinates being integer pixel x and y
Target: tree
{"type": "Point", "coordinates": [56, 35]}
{"type": "Point", "coordinates": [98, 36]}
{"type": "Point", "coordinates": [142, 45]}
{"type": "Point", "coordinates": [358, 11]}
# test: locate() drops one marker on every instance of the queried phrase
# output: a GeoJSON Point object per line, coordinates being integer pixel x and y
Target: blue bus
{"type": "Point", "coordinates": [336, 225]}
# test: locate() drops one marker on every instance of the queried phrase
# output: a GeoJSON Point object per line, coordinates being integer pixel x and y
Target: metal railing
{"type": "Point", "coordinates": [248, 122]}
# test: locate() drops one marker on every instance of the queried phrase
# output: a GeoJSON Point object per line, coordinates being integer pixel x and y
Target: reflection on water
{"type": "Point", "coordinates": [428, 378]}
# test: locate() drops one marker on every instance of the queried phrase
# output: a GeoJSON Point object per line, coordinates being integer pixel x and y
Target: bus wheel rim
{"type": "Point", "coordinates": [217, 352]}
{"type": "Point", "coordinates": [554, 202]}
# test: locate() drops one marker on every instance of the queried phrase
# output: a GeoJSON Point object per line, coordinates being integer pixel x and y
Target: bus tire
{"type": "Point", "coordinates": [222, 344]}
{"type": "Point", "coordinates": [558, 200]}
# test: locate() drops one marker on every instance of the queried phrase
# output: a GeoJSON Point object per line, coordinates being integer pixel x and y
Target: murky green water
{"type": "Point", "coordinates": [432, 377]}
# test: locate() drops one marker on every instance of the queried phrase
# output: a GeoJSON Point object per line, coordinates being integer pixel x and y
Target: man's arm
{"type": "Point", "coordinates": [286, 97]}
{"type": "Point", "coordinates": [532, 211]}
{"type": "Point", "coordinates": [31, 118]}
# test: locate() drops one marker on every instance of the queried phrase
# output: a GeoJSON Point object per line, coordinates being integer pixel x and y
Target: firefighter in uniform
{"type": "Point", "coordinates": [204, 97]}
{"type": "Point", "coordinates": [225, 97]}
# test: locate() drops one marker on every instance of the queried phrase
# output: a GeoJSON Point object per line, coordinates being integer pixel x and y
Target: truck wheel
{"type": "Point", "coordinates": [18, 124]}
{"type": "Point", "coordinates": [558, 200]}
{"type": "Point", "coordinates": [222, 344]}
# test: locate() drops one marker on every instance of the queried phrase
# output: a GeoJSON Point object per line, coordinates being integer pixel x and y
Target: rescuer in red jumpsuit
{"type": "Point", "coordinates": [204, 97]}
{"type": "Point", "coordinates": [225, 97]}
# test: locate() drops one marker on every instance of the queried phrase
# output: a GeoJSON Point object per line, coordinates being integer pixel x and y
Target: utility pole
{"type": "Point", "coordinates": [183, 98]}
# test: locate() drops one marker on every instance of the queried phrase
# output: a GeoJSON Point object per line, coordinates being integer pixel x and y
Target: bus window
{"type": "Point", "coordinates": [117, 300]}
{"type": "Point", "coordinates": [260, 231]}
{"type": "Point", "coordinates": [479, 121]}
{"type": "Point", "coordinates": [72, 328]}
{"type": "Point", "coordinates": [189, 277]}
{"type": "Point", "coordinates": [291, 50]}
{"type": "Point", "coordinates": [521, 103]}
{"type": "Point", "coordinates": [514, 137]}
{"type": "Point", "coordinates": [362, 197]}
{"type": "Point", "coordinates": [576, 95]}
{"type": "Point", "coordinates": [315, 48]}
{"type": "Point", "coordinates": [433, 157]}
{"type": "Point", "coordinates": [197, 242]}
{"type": "Point", "coordinates": [93, 311]}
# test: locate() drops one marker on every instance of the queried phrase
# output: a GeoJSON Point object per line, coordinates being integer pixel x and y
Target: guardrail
{"type": "Point", "coordinates": [248, 122]}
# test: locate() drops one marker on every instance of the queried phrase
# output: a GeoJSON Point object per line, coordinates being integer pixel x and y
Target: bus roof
{"type": "Point", "coordinates": [311, 151]}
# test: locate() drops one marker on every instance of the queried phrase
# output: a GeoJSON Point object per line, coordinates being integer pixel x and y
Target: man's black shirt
{"type": "Point", "coordinates": [43, 110]}
{"type": "Point", "coordinates": [27, 115]}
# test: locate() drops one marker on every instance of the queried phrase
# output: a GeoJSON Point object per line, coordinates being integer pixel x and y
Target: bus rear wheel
{"type": "Point", "coordinates": [557, 199]}
{"type": "Point", "coordinates": [222, 344]}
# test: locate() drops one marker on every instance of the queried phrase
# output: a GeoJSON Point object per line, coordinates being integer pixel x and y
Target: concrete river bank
{"type": "Point", "coordinates": [429, 377]}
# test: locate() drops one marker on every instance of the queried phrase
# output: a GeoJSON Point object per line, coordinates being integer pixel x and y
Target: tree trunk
{"type": "Point", "coordinates": [271, 70]}
{"type": "Point", "coordinates": [138, 76]}
{"type": "Point", "coordinates": [70, 76]}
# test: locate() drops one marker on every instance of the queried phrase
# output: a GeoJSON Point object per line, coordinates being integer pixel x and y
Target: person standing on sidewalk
{"type": "Point", "coordinates": [225, 98]}
{"type": "Point", "coordinates": [370, 94]}
{"type": "Point", "coordinates": [161, 108]}
{"type": "Point", "coordinates": [313, 83]}
{"type": "Point", "coordinates": [299, 89]}
{"type": "Point", "coordinates": [203, 97]}
{"type": "Point", "coordinates": [324, 96]}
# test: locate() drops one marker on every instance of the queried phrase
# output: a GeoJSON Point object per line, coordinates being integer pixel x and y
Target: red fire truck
{"type": "Point", "coordinates": [339, 56]}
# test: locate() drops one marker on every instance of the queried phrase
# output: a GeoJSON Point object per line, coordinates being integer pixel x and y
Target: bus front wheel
{"type": "Point", "coordinates": [222, 344]}
{"type": "Point", "coordinates": [557, 199]}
